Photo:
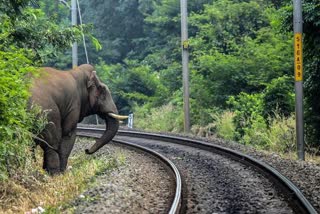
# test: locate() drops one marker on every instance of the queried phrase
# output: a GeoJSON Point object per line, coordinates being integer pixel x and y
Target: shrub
{"type": "Point", "coordinates": [279, 96]}
{"type": "Point", "coordinates": [18, 126]}
{"type": "Point", "coordinates": [279, 136]}
{"type": "Point", "coordinates": [27, 38]}
{"type": "Point", "coordinates": [225, 126]}
{"type": "Point", "coordinates": [54, 193]}
{"type": "Point", "coordinates": [256, 133]}
{"type": "Point", "coordinates": [247, 108]}
{"type": "Point", "coordinates": [16, 123]}
{"type": "Point", "coordinates": [282, 133]}
{"type": "Point", "coordinates": [164, 118]}
{"type": "Point", "coordinates": [207, 131]}
{"type": "Point", "coordinates": [221, 125]}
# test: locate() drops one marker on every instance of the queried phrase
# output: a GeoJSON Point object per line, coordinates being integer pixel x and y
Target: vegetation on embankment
{"type": "Point", "coordinates": [29, 190]}
{"type": "Point", "coordinates": [241, 68]}
{"type": "Point", "coordinates": [27, 39]}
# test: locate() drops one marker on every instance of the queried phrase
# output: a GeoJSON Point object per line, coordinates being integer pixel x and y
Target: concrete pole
{"type": "Point", "coordinates": [74, 22]}
{"type": "Point", "coordinates": [185, 62]}
{"type": "Point", "coordinates": [298, 67]}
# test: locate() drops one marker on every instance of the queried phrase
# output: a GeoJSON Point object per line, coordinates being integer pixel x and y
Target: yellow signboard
{"type": "Point", "coordinates": [185, 44]}
{"type": "Point", "coordinates": [298, 68]}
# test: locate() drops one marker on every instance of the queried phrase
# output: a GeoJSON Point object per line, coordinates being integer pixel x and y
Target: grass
{"type": "Point", "coordinates": [278, 136]}
{"type": "Point", "coordinates": [312, 158]}
{"type": "Point", "coordinates": [23, 192]}
{"type": "Point", "coordinates": [165, 118]}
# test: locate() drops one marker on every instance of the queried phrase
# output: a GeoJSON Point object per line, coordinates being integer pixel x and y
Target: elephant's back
{"type": "Point", "coordinates": [50, 78]}
{"type": "Point", "coordinates": [51, 85]}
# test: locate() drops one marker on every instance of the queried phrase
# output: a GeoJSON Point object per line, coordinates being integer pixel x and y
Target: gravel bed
{"type": "Point", "coordinates": [305, 175]}
{"type": "Point", "coordinates": [216, 184]}
{"type": "Point", "coordinates": [141, 185]}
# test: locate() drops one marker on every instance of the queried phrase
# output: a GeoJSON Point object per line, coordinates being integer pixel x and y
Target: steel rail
{"type": "Point", "coordinates": [294, 196]}
{"type": "Point", "coordinates": [176, 203]}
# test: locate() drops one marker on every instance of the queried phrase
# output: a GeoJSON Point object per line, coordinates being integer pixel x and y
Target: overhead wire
{"type": "Point", "coordinates": [84, 45]}
{"type": "Point", "coordinates": [83, 38]}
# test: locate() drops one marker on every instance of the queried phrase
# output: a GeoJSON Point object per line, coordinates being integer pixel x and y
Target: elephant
{"type": "Point", "coordinates": [67, 97]}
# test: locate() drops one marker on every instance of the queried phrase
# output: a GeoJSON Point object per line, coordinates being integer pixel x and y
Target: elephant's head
{"type": "Point", "coordinates": [101, 103]}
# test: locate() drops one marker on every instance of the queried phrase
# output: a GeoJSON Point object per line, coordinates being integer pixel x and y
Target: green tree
{"type": "Point", "coordinates": [279, 97]}
{"type": "Point", "coordinates": [311, 49]}
{"type": "Point", "coordinates": [118, 25]}
{"type": "Point", "coordinates": [238, 48]}
{"type": "Point", "coordinates": [132, 84]}
{"type": "Point", "coordinates": [248, 109]}
{"type": "Point", "coordinates": [27, 38]}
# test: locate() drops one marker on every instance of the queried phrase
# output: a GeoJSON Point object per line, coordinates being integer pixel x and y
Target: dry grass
{"type": "Point", "coordinates": [292, 155]}
{"type": "Point", "coordinates": [313, 158]}
{"type": "Point", "coordinates": [25, 191]}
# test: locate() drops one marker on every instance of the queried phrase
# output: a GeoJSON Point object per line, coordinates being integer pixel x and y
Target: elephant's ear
{"type": "Point", "coordinates": [93, 80]}
{"type": "Point", "coordinates": [93, 86]}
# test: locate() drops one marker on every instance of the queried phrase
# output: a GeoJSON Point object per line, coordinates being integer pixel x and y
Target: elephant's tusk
{"type": "Point", "coordinates": [118, 117]}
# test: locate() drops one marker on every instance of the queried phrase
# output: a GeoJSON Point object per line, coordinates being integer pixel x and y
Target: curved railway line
{"type": "Point", "coordinates": [175, 205]}
{"type": "Point", "coordinates": [218, 179]}
{"type": "Point", "coordinates": [176, 201]}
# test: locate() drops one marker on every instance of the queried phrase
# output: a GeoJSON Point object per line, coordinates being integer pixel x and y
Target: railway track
{"type": "Point", "coordinates": [175, 201]}
{"type": "Point", "coordinates": [218, 179]}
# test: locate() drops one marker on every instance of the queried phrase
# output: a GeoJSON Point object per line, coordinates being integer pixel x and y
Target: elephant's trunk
{"type": "Point", "coordinates": [112, 126]}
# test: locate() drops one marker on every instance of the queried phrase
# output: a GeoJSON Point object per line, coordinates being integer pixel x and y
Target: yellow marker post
{"type": "Point", "coordinates": [297, 28]}
{"type": "Point", "coordinates": [298, 65]}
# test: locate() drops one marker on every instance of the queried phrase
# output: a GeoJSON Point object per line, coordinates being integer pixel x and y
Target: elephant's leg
{"type": "Point", "coordinates": [52, 135]}
{"type": "Point", "coordinates": [51, 161]}
{"type": "Point", "coordinates": [65, 149]}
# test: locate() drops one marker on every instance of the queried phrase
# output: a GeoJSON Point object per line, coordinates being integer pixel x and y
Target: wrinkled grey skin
{"type": "Point", "coordinates": [69, 96]}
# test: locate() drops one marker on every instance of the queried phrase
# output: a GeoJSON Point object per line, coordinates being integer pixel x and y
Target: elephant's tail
{"type": "Point", "coordinates": [41, 141]}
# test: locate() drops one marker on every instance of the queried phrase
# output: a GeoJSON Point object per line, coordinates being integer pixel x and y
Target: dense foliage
{"type": "Point", "coordinates": [311, 29]}
{"type": "Point", "coordinates": [241, 60]}
{"type": "Point", "coordinates": [241, 64]}
{"type": "Point", "coordinates": [27, 39]}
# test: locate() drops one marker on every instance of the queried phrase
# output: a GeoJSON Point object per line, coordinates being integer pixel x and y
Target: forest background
{"type": "Point", "coordinates": [241, 66]}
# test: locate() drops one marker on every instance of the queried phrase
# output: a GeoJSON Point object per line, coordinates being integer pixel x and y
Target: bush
{"type": "Point", "coordinates": [279, 136]}
{"type": "Point", "coordinates": [27, 38]}
{"type": "Point", "coordinates": [16, 123]}
{"type": "Point", "coordinates": [225, 125]}
{"type": "Point", "coordinates": [279, 96]}
{"type": "Point", "coordinates": [247, 108]}
{"type": "Point", "coordinates": [256, 133]}
{"type": "Point", "coordinates": [273, 130]}
{"type": "Point", "coordinates": [164, 118]}
{"type": "Point", "coordinates": [132, 84]}
{"type": "Point", "coordinates": [221, 125]}
{"type": "Point", "coordinates": [282, 134]}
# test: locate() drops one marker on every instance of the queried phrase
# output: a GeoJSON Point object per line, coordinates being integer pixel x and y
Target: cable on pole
{"type": "Point", "coordinates": [84, 44]}
{"type": "Point", "coordinates": [84, 41]}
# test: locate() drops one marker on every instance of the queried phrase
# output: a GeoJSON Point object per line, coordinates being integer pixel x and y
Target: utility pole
{"type": "Point", "coordinates": [298, 69]}
{"type": "Point", "coordinates": [74, 22]}
{"type": "Point", "coordinates": [185, 62]}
